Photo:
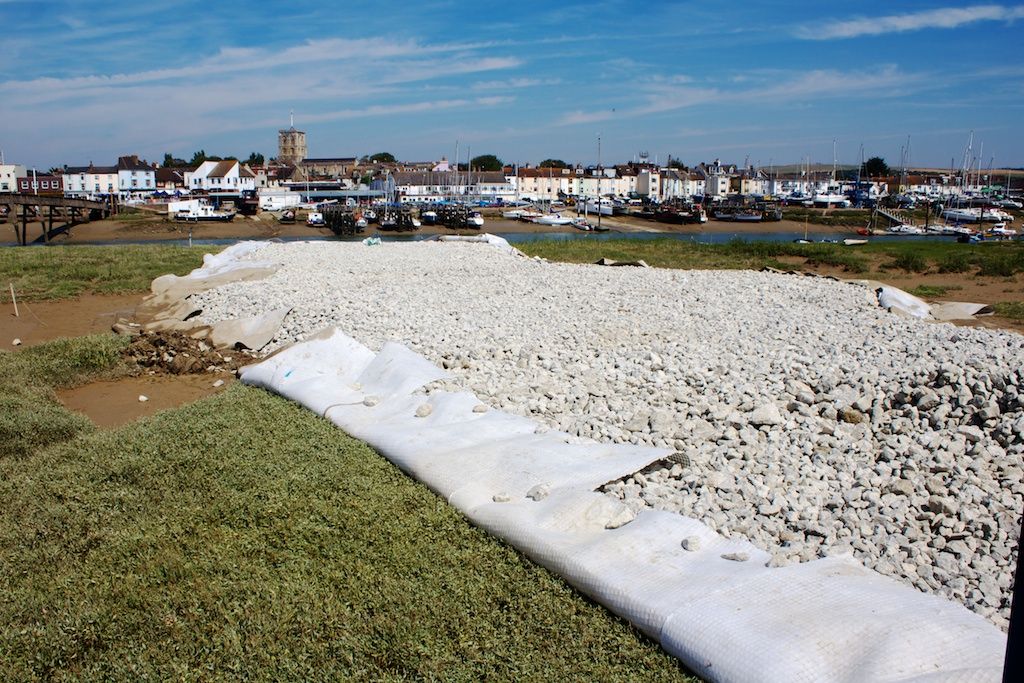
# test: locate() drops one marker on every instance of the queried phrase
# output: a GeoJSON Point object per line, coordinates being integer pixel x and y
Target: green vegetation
{"type": "Point", "coordinates": [875, 167]}
{"type": "Point", "coordinates": [955, 263]}
{"type": "Point", "coordinates": [552, 163]}
{"type": "Point", "coordinates": [671, 253]}
{"type": "Point", "coordinates": [381, 157]}
{"type": "Point", "coordinates": [244, 537]}
{"type": "Point", "coordinates": [838, 217]}
{"type": "Point", "coordinates": [1010, 309]}
{"type": "Point", "coordinates": [30, 415]}
{"type": "Point", "coordinates": [933, 291]}
{"type": "Point", "coordinates": [910, 262]}
{"type": "Point", "coordinates": [1003, 259]}
{"type": "Point", "coordinates": [61, 272]}
{"type": "Point", "coordinates": [486, 162]}
{"type": "Point", "coordinates": [1004, 264]}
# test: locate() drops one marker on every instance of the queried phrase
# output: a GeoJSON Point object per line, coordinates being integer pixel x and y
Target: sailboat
{"type": "Point", "coordinates": [832, 196]}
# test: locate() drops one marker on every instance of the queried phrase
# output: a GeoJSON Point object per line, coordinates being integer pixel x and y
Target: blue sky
{"type": "Point", "coordinates": [768, 82]}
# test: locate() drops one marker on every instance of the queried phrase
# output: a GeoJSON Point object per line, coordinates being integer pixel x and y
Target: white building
{"type": "Point", "coordinates": [222, 176]}
{"type": "Point", "coordinates": [134, 176]}
{"type": "Point", "coordinates": [429, 186]}
{"type": "Point", "coordinates": [680, 184]}
{"type": "Point", "coordinates": [717, 179]}
{"type": "Point", "coordinates": [91, 181]}
{"type": "Point", "coordinates": [9, 174]}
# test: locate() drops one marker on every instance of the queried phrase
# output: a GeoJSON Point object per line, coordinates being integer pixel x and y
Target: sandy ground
{"type": "Point", "coordinates": [106, 403]}
{"type": "Point", "coordinates": [146, 227]}
{"type": "Point", "coordinates": [114, 403]}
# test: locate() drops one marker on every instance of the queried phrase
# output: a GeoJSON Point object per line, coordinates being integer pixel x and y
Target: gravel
{"type": "Point", "coordinates": [807, 419]}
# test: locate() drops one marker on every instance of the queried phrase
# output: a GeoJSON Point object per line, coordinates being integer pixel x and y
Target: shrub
{"type": "Point", "coordinates": [955, 263]}
{"type": "Point", "coordinates": [909, 262]}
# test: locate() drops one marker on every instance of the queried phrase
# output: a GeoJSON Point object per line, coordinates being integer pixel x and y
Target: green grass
{"type": "Point", "coordinates": [933, 291]}
{"type": "Point", "coordinates": [30, 415]}
{"type": "Point", "coordinates": [66, 271]}
{"type": "Point", "coordinates": [955, 263]}
{"type": "Point", "coordinates": [1010, 309]}
{"type": "Point", "coordinates": [672, 253]}
{"type": "Point", "coordinates": [993, 260]}
{"type": "Point", "coordinates": [909, 262]}
{"type": "Point", "coordinates": [243, 537]}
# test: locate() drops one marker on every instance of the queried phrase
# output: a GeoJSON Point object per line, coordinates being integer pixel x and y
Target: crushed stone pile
{"type": "Point", "coordinates": [179, 354]}
{"type": "Point", "coordinates": [813, 421]}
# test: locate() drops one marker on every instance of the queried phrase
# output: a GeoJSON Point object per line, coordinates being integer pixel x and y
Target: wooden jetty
{"type": "Point", "coordinates": [56, 214]}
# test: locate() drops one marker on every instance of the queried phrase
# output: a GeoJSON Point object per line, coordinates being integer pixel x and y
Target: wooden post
{"type": "Point", "coordinates": [23, 237]}
{"type": "Point", "coordinates": [49, 227]}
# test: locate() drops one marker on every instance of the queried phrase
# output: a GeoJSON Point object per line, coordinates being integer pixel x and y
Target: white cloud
{"type": "Point", "coordinates": [241, 89]}
{"type": "Point", "coordinates": [657, 97]}
{"type": "Point", "coordinates": [946, 17]}
{"type": "Point", "coordinates": [511, 83]}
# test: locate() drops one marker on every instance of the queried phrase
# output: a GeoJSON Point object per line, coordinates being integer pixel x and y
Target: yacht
{"type": "Point", "coordinates": [830, 198]}
{"type": "Point", "coordinates": [552, 219]}
{"type": "Point", "coordinates": [605, 207]}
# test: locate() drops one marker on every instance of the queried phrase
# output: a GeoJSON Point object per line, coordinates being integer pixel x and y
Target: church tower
{"type": "Point", "coordinates": [291, 144]}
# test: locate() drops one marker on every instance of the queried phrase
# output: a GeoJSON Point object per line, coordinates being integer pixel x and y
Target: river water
{"type": "Point", "coordinates": [522, 237]}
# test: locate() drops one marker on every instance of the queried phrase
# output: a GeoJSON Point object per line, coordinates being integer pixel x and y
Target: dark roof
{"type": "Point", "coordinates": [132, 163]}
{"type": "Point", "coordinates": [72, 170]}
{"type": "Point", "coordinates": [284, 172]}
{"type": "Point", "coordinates": [170, 175]}
{"type": "Point", "coordinates": [328, 160]}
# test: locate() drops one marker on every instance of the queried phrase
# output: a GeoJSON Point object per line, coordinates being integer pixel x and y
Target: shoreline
{"type": "Point", "coordinates": [265, 226]}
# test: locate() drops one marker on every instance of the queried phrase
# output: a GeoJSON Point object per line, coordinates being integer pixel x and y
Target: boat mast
{"type": "Point", "coordinates": [833, 161]}
{"type": "Point", "coordinates": [599, 174]}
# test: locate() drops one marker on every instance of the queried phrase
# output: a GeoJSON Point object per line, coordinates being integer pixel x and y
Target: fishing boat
{"type": "Point", "coordinates": [739, 216]}
{"type": "Point", "coordinates": [204, 212]}
{"type": "Point", "coordinates": [428, 217]}
{"type": "Point", "coordinates": [287, 216]}
{"type": "Point", "coordinates": [315, 219]}
{"type": "Point", "coordinates": [475, 220]}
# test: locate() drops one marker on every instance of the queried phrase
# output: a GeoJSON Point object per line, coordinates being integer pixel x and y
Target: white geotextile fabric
{"type": "Point", "coordinates": [728, 620]}
{"type": "Point", "coordinates": [484, 238]}
{"type": "Point", "coordinates": [894, 299]}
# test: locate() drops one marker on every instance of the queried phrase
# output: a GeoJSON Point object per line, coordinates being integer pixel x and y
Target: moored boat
{"type": "Point", "coordinates": [552, 219]}
{"type": "Point", "coordinates": [204, 212]}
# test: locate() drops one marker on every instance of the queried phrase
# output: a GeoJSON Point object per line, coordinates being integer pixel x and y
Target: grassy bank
{"type": "Point", "coordinates": [39, 273]}
{"type": "Point", "coordinates": [243, 537]}
{"type": "Point", "coordinates": [997, 260]}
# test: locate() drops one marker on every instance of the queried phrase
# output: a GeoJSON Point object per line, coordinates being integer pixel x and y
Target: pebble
{"type": "Point", "coordinates": [882, 413]}
{"type": "Point", "coordinates": [143, 398]}
{"type": "Point", "coordinates": [15, 342]}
